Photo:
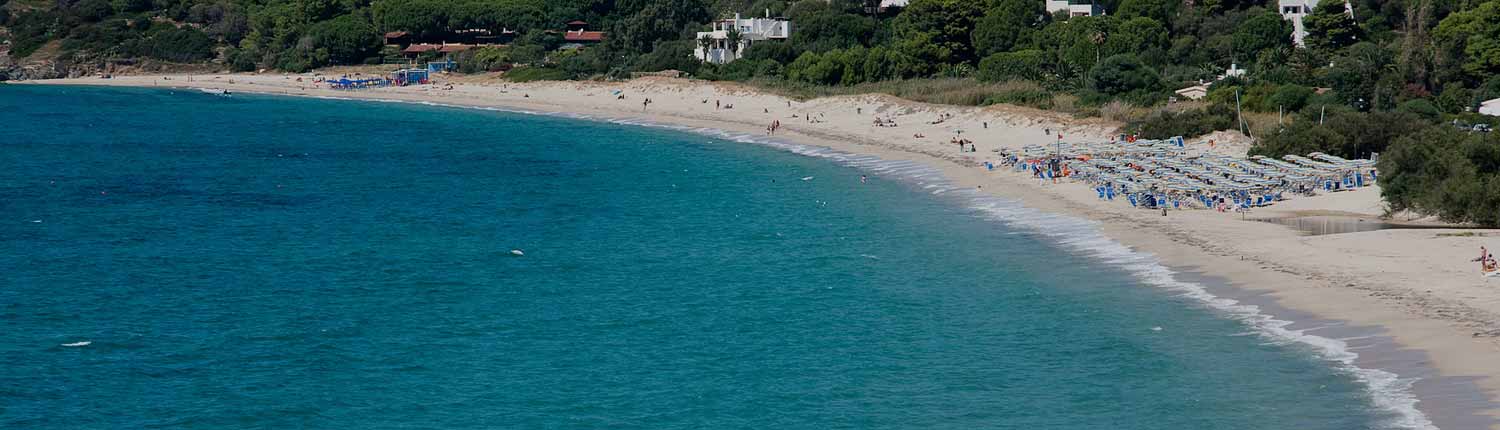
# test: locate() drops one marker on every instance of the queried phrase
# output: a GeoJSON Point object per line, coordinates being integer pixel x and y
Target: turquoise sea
{"type": "Point", "coordinates": [262, 262]}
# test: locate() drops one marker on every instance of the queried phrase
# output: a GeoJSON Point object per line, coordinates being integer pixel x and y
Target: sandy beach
{"type": "Point", "coordinates": [1415, 287]}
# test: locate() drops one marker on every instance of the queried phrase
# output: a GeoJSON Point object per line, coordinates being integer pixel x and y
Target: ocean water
{"type": "Point", "coordinates": [265, 262]}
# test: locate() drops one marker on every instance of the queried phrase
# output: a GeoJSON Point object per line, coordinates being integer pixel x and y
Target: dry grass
{"type": "Point", "coordinates": [1063, 102]}
{"type": "Point", "coordinates": [1262, 123]}
{"type": "Point", "coordinates": [949, 91]}
{"type": "Point", "coordinates": [1122, 111]}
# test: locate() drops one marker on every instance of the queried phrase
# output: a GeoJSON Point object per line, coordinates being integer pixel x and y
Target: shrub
{"type": "Point", "coordinates": [241, 60]}
{"type": "Point", "coordinates": [1123, 74]}
{"type": "Point", "coordinates": [486, 59]}
{"type": "Point", "coordinates": [1422, 108]}
{"type": "Point", "coordinates": [1343, 133]}
{"type": "Point", "coordinates": [1027, 65]}
{"type": "Point", "coordinates": [1022, 93]}
{"type": "Point", "coordinates": [1164, 123]}
{"type": "Point", "coordinates": [1291, 97]}
{"type": "Point", "coordinates": [529, 74]}
{"type": "Point", "coordinates": [1442, 171]}
{"type": "Point", "coordinates": [183, 45]}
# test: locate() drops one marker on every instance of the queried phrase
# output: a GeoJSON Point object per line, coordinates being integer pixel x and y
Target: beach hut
{"type": "Point", "coordinates": [406, 77]}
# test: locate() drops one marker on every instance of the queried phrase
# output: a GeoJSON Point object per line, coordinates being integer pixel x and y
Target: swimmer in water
{"type": "Point", "coordinates": [864, 179]}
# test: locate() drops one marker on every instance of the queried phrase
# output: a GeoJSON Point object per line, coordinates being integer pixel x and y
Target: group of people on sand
{"type": "Point", "coordinates": [775, 125]}
{"type": "Point", "coordinates": [941, 118]}
{"type": "Point", "coordinates": [1487, 264]}
{"type": "Point", "coordinates": [964, 143]}
{"type": "Point", "coordinates": [885, 122]}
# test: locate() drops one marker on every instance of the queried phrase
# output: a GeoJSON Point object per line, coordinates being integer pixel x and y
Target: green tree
{"type": "Point", "coordinates": [1330, 28]}
{"type": "Point", "coordinates": [1290, 97]}
{"type": "Point", "coordinates": [1359, 75]}
{"type": "Point", "coordinates": [1137, 35]}
{"type": "Point", "coordinates": [653, 21]}
{"type": "Point", "coordinates": [1158, 10]}
{"type": "Point", "coordinates": [1262, 31]}
{"type": "Point", "coordinates": [424, 18]}
{"type": "Point", "coordinates": [184, 45]}
{"type": "Point", "coordinates": [129, 6]}
{"type": "Point", "coordinates": [1078, 43]}
{"type": "Point", "coordinates": [348, 40]}
{"type": "Point", "coordinates": [1124, 73]}
{"type": "Point", "coordinates": [1008, 25]}
{"type": "Point", "coordinates": [1471, 39]}
{"type": "Point", "coordinates": [733, 37]}
{"type": "Point", "coordinates": [825, 29]}
{"type": "Point", "coordinates": [945, 24]}
{"type": "Point", "coordinates": [706, 43]}
{"type": "Point", "coordinates": [1444, 172]}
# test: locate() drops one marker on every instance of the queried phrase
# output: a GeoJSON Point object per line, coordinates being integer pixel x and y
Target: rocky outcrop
{"type": "Point", "coordinates": [43, 70]}
{"type": "Point", "coordinates": [19, 70]}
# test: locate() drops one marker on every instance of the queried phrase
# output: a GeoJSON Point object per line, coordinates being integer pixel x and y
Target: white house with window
{"type": "Point", "coordinates": [1075, 7]}
{"type": "Point", "coordinates": [721, 49]}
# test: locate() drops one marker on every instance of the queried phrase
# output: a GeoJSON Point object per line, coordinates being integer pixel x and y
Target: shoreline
{"type": "Point", "coordinates": [1430, 330]}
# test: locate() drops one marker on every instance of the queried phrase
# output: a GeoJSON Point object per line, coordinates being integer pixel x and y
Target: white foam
{"type": "Point", "coordinates": [1388, 390]}
{"type": "Point", "coordinates": [77, 344]}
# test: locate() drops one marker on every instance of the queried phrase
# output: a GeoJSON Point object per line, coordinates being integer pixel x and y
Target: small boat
{"type": "Point", "coordinates": [215, 91]}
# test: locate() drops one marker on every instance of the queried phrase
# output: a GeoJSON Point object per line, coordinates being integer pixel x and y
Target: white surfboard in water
{"type": "Point", "coordinates": [77, 344]}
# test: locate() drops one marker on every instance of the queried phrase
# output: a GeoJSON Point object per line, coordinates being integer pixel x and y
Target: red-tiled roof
{"type": "Point", "coordinates": [427, 47]}
{"type": "Point", "coordinates": [578, 22]}
{"type": "Point", "coordinates": [583, 36]}
{"type": "Point", "coordinates": [395, 34]}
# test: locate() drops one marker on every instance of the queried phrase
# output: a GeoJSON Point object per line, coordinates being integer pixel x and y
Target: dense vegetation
{"type": "Point", "coordinates": [1388, 78]}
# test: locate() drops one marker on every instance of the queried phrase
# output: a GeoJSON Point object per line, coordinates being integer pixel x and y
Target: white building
{"type": "Point", "coordinates": [1295, 10]}
{"type": "Point", "coordinates": [1194, 92]}
{"type": "Point", "coordinates": [1490, 107]}
{"type": "Point", "coordinates": [1075, 7]}
{"type": "Point", "coordinates": [1234, 71]}
{"type": "Point", "coordinates": [750, 30]}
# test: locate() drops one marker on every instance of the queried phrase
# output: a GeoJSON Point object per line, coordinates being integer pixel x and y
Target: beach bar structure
{"type": "Point", "coordinates": [442, 66]}
{"type": "Point", "coordinates": [406, 77]}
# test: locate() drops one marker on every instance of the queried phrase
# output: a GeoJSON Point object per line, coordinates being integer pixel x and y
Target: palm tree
{"type": "Point", "coordinates": [706, 42]}
{"type": "Point", "coordinates": [734, 37]}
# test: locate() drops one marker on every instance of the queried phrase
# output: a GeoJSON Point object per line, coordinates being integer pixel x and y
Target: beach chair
{"type": "Point", "coordinates": [1109, 193]}
{"type": "Point", "coordinates": [1100, 190]}
{"type": "Point", "coordinates": [1131, 197]}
